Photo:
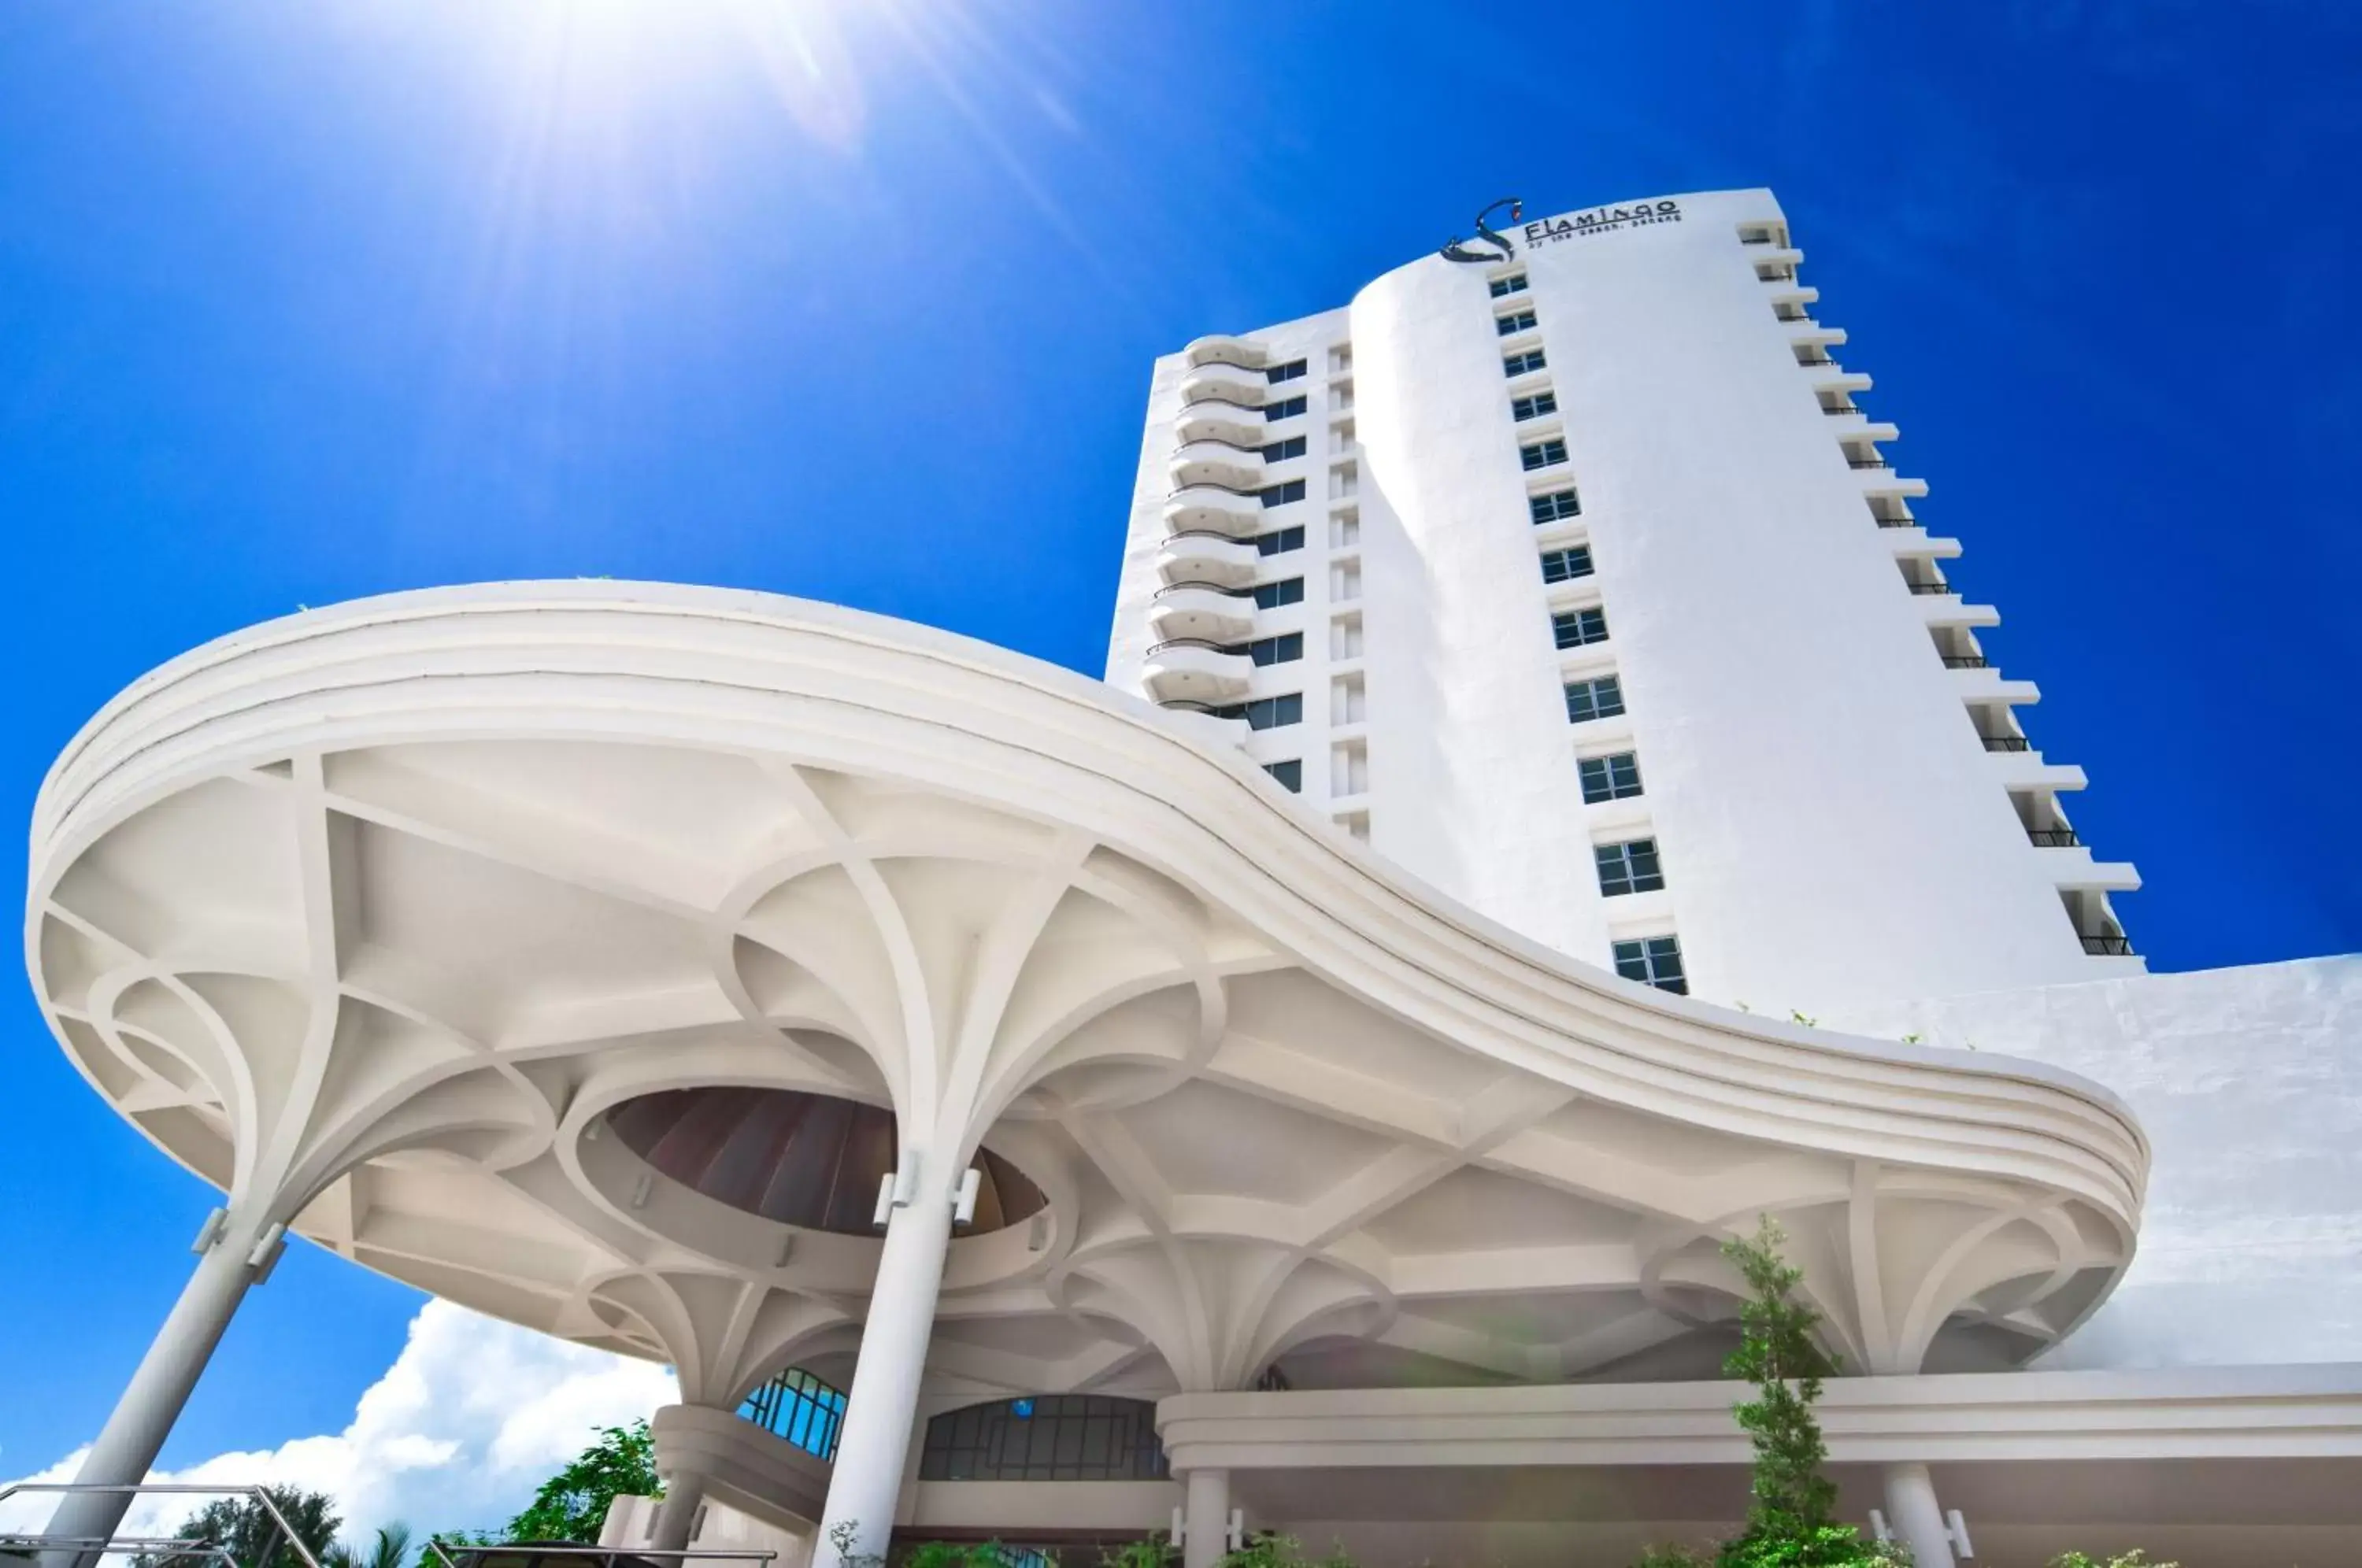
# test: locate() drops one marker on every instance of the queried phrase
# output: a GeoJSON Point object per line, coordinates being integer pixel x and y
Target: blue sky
{"type": "Point", "coordinates": [302, 301]}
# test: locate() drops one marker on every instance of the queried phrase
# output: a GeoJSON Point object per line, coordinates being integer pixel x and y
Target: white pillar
{"type": "Point", "coordinates": [1205, 1520]}
{"type": "Point", "coordinates": [1912, 1512]}
{"type": "Point", "coordinates": [151, 1401]}
{"type": "Point", "coordinates": [879, 1406]}
{"type": "Point", "coordinates": [677, 1515]}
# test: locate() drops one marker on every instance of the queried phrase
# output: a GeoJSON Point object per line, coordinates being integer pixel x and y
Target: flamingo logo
{"type": "Point", "coordinates": [1497, 247]}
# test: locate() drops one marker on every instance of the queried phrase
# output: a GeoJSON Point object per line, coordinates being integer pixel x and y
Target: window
{"type": "Point", "coordinates": [1577, 628]}
{"type": "Point", "coordinates": [1609, 778]}
{"type": "Point", "coordinates": [1533, 407]}
{"type": "Point", "coordinates": [1266, 712]}
{"type": "Point", "coordinates": [799, 1408]}
{"type": "Point", "coordinates": [1272, 595]}
{"type": "Point", "coordinates": [1286, 372]}
{"type": "Point", "coordinates": [1286, 408]}
{"type": "Point", "coordinates": [1565, 565]}
{"type": "Point", "coordinates": [1280, 451]}
{"type": "Point", "coordinates": [1513, 284]}
{"type": "Point", "coordinates": [1523, 364]}
{"type": "Point", "coordinates": [1281, 494]}
{"type": "Point", "coordinates": [1542, 454]}
{"type": "Point", "coordinates": [1654, 961]}
{"type": "Point", "coordinates": [1553, 506]}
{"type": "Point", "coordinates": [1051, 1437]}
{"type": "Point", "coordinates": [1589, 699]}
{"type": "Point", "coordinates": [1629, 868]}
{"type": "Point", "coordinates": [1290, 775]}
{"type": "Point", "coordinates": [1515, 322]}
{"type": "Point", "coordinates": [1280, 541]}
{"type": "Point", "coordinates": [1285, 649]}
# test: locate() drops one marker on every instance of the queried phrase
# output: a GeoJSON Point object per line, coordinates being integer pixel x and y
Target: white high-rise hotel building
{"type": "Point", "coordinates": [1016, 1110]}
{"type": "Point", "coordinates": [1577, 578]}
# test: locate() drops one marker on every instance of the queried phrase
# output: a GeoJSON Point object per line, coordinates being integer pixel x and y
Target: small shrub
{"type": "Point", "coordinates": [2135, 1558]}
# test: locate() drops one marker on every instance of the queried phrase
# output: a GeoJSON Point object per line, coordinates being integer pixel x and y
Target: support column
{"type": "Point", "coordinates": [677, 1515]}
{"type": "Point", "coordinates": [879, 1406]}
{"type": "Point", "coordinates": [1916, 1520]}
{"type": "Point", "coordinates": [152, 1400]}
{"type": "Point", "coordinates": [1205, 1520]}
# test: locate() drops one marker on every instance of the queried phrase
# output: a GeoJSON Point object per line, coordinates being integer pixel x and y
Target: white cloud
{"type": "Point", "coordinates": [470, 1418]}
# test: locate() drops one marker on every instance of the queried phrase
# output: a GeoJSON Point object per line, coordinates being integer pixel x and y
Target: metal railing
{"type": "Point", "coordinates": [1206, 643]}
{"type": "Point", "coordinates": [1814, 359]}
{"type": "Point", "coordinates": [1995, 743]}
{"type": "Point", "coordinates": [532, 1554]}
{"type": "Point", "coordinates": [1896, 521]}
{"type": "Point", "coordinates": [1204, 587]}
{"type": "Point", "coordinates": [1868, 463]}
{"type": "Point", "coordinates": [1932, 588]}
{"type": "Point", "coordinates": [2053, 838]}
{"type": "Point", "coordinates": [90, 1548]}
{"type": "Point", "coordinates": [1205, 533]}
{"type": "Point", "coordinates": [1967, 661]}
{"type": "Point", "coordinates": [1833, 413]}
{"type": "Point", "coordinates": [2108, 946]}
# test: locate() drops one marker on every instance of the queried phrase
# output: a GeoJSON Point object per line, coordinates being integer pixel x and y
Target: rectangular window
{"type": "Point", "coordinates": [1553, 506]}
{"type": "Point", "coordinates": [1534, 407]}
{"type": "Point", "coordinates": [1515, 322]}
{"type": "Point", "coordinates": [1286, 372]}
{"type": "Point", "coordinates": [1513, 284]}
{"type": "Point", "coordinates": [1523, 364]}
{"type": "Point", "coordinates": [1578, 628]}
{"type": "Point", "coordinates": [1629, 868]}
{"type": "Point", "coordinates": [1273, 712]}
{"type": "Point", "coordinates": [1290, 774]}
{"type": "Point", "coordinates": [1281, 541]}
{"type": "Point", "coordinates": [1280, 451]}
{"type": "Point", "coordinates": [1285, 649]}
{"type": "Point", "coordinates": [1281, 494]}
{"type": "Point", "coordinates": [1613, 778]}
{"type": "Point", "coordinates": [1565, 565]}
{"type": "Point", "coordinates": [1589, 699]}
{"type": "Point", "coordinates": [1654, 961]}
{"type": "Point", "coordinates": [1272, 595]}
{"type": "Point", "coordinates": [1542, 454]}
{"type": "Point", "coordinates": [1286, 408]}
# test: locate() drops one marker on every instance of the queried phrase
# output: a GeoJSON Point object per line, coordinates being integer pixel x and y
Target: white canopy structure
{"type": "Point", "coordinates": [608, 958]}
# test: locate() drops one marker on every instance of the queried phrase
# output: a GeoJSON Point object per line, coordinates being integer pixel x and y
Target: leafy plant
{"type": "Point", "coordinates": [390, 1550]}
{"type": "Point", "coordinates": [1151, 1551]}
{"type": "Point", "coordinates": [2135, 1558]}
{"type": "Point", "coordinates": [244, 1527]}
{"type": "Point", "coordinates": [843, 1535]}
{"type": "Point", "coordinates": [572, 1505]}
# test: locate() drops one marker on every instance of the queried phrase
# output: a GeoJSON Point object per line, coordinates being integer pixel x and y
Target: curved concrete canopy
{"type": "Point", "coordinates": [370, 916]}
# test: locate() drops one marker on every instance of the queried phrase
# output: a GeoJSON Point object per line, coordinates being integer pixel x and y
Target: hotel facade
{"type": "Point", "coordinates": [1552, 800]}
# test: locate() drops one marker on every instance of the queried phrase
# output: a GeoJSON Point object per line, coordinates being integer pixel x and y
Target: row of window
{"type": "Point", "coordinates": [1534, 407]}
{"type": "Point", "coordinates": [1280, 451]}
{"type": "Point", "coordinates": [1286, 408]}
{"type": "Point", "coordinates": [1272, 595]}
{"type": "Point", "coordinates": [1266, 713]}
{"type": "Point", "coordinates": [1292, 371]}
{"type": "Point", "coordinates": [1554, 505]}
{"type": "Point", "coordinates": [1546, 452]}
{"type": "Point", "coordinates": [1525, 364]}
{"type": "Point", "coordinates": [1281, 494]}
{"type": "Point", "coordinates": [1279, 541]}
{"type": "Point", "coordinates": [1517, 321]}
{"type": "Point", "coordinates": [1285, 648]}
{"type": "Point", "coordinates": [1565, 565]}
{"type": "Point", "coordinates": [1515, 283]}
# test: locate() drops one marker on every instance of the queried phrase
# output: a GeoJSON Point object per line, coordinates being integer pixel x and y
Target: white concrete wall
{"type": "Point", "coordinates": [2249, 1083]}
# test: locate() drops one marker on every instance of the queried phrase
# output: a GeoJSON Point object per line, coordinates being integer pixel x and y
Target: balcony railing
{"type": "Point", "coordinates": [1834, 413]}
{"type": "Point", "coordinates": [1933, 588]}
{"type": "Point", "coordinates": [1867, 463]}
{"type": "Point", "coordinates": [1757, 239]}
{"type": "Point", "coordinates": [1967, 661]}
{"type": "Point", "coordinates": [1814, 359]}
{"type": "Point", "coordinates": [1222, 589]}
{"type": "Point", "coordinates": [1993, 743]}
{"type": "Point", "coordinates": [1207, 643]}
{"type": "Point", "coordinates": [2053, 838]}
{"type": "Point", "coordinates": [1180, 534]}
{"type": "Point", "coordinates": [2108, 946]}
{"type": "Point", "coordinates": [1897, 522]}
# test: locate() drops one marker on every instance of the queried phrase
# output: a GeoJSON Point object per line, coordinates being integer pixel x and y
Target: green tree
{"type": "Point", "coordinates": [572, 1504]}
{"type": "Point", "coordinates": [244, 1527]}
{"type": "Point", "coordinates": [391, 1549]}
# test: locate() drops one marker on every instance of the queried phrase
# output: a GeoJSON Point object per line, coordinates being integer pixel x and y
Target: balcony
{"type": "Point", "coordinates": [1217, 349]}
{"type": "Point", "coordinates": [1811, 336]}
{"type": "Point", "coordinates": [1224, 463]}
{"type": "Point", "coordinates": [1942, 605]}
{"type": "Point", "coordinates": [2109, 947]}
{"type": "Point", "coordinates": [1879, 478]}
{"type": "Point", "coordinates": [1219, 421]}
{"type": "Point", "coordinates": [1828, 376]}
{"type": "Point", "coordinates": [1205, 555]}
{"type": "Point", "coordinates": [1206, 507]}
{"type": "Point", "coordinates": [1225, 383]}
{"type": "Point", "coordinates": [2005, 742]}
{"type": "Point", "coordinates": [1211, 611]}
{"type": "Point", "coordinates": [1196, 670]}
{"type": "Point", "coordinates": [1908, 541]}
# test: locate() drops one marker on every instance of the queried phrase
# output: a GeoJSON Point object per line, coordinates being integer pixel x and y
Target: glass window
{"type": "Point", "coordinates": [1629, 868]}
{"type": "Point", "coordinates": [1281, 494]}
{"type": "Point", "coordinates": [1272, 595]}
{"type": "Point", "coordinates": [1513, 284]}
{"type": "Point", "coordinates": [1290, 774]}
{"type": "Point", "coordinates": [1565, 566]}
{"type": "Point", "coordinates": [1554, 507]}
{"type": "Point", "coordinates": [1280, 541]}
{"type": "Point", "coordinates": [1534, 407]}
{"type": "Point", "coordinates": [1588, 700]}
{"type": "Point", "coordinates": [1515, 322]}
{"type": "Point", "coordinates": [1286, 408]}
{"type": "Point", "coordinates": [1286, 372]}
{"type": "Point", "coordinates": [1280, 451]}
{"type": "Point", "coordinates": [1654, 961]}
{"type": "Point", "coordinates": [1542, 454]}
{"type": "Point", "coordinates": [1285, 649]}
{"type": "Point", "coordinates": [1609, 778]}
{"type": "Point", "coordinates": [1051, 1437]}
{"type": "Point", "coordinates": [1523, 364]}
{"type": "Point", "coordinates": [799, 1408]}
{"type": "Point", "coordinates": [1576, 628]}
